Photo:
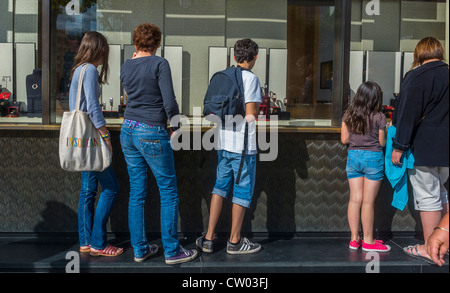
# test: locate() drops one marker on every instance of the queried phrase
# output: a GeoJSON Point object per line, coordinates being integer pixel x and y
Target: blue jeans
{"type": "Point", "coordinates": [92, 225]}
{"type": "Point", "coordinates": [144, 146]}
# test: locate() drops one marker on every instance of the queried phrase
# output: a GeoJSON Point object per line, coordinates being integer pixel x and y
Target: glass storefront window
{"type": "Point", "coordinates": [310, 41]}
{"type": "Point", "coordinates": [383, 39]}
{"type": "Point", "coordinates": [295, 62]}
{"type": "Point", "coordinates": [20, 64]}
{"type": "Point", "coordinates": [302, 65]}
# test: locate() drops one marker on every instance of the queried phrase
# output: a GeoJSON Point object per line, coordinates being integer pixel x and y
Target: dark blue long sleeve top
{"type": "Point", "coordinates": [148, 84]}
{"type": "Point", "coordinates": [422, 115]}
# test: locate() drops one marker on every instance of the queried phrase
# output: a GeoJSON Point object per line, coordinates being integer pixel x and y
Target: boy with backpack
{"type": "Point", "coordinates": [236, 148]}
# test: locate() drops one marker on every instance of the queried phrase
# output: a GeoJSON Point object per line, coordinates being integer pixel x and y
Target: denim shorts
{"type": "Point", "coordinates": [227, 170]}
{"type": "Point", "coordinates": [368, 164]}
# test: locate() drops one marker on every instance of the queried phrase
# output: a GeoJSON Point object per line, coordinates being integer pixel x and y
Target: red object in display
{"type": "Point", "coordinates": [5, 96]}
{"type": "Point", "coordinates": [13, 111]}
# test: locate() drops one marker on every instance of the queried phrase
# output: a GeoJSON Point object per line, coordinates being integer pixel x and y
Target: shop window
{"type": "Point", "coordinates": [310, 40]}
{"type": "Point", "coordinates": [295, 63]}
{"type": "Point", "coordinates": [382, 43]}
{"type": "Point", "coordinates": [299, 42]}
{"type": "Point", "coordinates": [20, 66]}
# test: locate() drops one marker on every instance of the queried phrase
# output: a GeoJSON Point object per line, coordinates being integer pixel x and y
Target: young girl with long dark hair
{"type": "Point", "coordinates": [364, 130]}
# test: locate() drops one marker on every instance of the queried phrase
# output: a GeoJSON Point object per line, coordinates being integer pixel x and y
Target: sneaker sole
{"type": "Point", "coordinates": [202, 248]}
{"type": "Point", "coordinates": [244, 251]}
{"type": "Point", "coordinates": [205, 249]}
{"type": "Point", "coordinates": [353, 248]}
{"type": "Point", "coordinates": [173, 262]}
{"type": "Point", "coordinates": [377, 250]}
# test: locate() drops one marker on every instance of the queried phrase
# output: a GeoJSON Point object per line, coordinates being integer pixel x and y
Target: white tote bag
{"type": "Point", "coordinates": [81, 147]}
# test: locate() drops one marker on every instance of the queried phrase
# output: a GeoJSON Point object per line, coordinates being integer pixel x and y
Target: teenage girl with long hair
{"type": "Point", "coordinates": [93, 52]}
{"type": "Point", "coordinates": [364, 130]}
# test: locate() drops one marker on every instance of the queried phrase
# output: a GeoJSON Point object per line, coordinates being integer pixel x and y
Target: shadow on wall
{"type": "Point", "coordinates": [196, 173]}
{"type": "Point", "coordinates": [273, 205]}
{"type": "Point", "coordinates": [276, 180]}
{"type": "Point", "coordinates": [57, 217]}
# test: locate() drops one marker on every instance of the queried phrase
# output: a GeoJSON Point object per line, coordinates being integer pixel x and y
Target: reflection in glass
{"type": "Point", "coordinates": [70, 24]}
{"type": "Point", "coordinates": [299, 33]}
{"type": "Point", "coordinates": [20, 87]}
{"type": "Point", "coordinates": [310, 39]}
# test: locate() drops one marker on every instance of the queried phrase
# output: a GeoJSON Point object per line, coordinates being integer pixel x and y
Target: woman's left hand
{"type": "Point", "coordinates": [171, 133]}
{"type": "Point", "coordinates": [396, 157]}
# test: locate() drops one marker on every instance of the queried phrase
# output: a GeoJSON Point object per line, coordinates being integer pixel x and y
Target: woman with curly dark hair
{"type": "Point", "coordinates": [145, 140]}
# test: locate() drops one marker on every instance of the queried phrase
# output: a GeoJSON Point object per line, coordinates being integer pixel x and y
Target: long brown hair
{"type": "Point", "coordinates": [94, 48]}
{"type": "Point", "coordinates": [366, 103]}
{"type": "Point", "coordinates": [428, 48]}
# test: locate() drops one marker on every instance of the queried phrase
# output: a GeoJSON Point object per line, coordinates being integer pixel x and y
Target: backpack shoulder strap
{"type": "Point", "coordinates": [244, 151]}
{"type": "Point", "coordinates": [235, 74]}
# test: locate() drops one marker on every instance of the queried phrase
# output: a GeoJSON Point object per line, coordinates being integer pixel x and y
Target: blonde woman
{"type": "Point", "coordinates": [421, 118]}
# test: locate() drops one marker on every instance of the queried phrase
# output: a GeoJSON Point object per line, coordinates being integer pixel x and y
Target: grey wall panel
{"type": "Point", "coordinates": [6, 68]}
{"type": "Point", "coordinates": [217, 60]}
{"type": "Point", "coordinates": [174, 55]}
{"type": "Point", "coordinates": [111, 90]}
{"type": "Point", "coordinates": [24, 66]}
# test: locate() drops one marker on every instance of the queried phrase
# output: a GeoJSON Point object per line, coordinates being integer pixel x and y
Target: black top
{"type": "Point", "coordinates": [424, 92]}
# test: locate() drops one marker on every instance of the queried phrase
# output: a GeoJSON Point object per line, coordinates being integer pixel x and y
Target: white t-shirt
{"type": "Point", "coordinates": [233, 141]}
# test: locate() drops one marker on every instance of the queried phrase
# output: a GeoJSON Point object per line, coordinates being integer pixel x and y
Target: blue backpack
{"type": "Point", "coordinates": [225, 94]}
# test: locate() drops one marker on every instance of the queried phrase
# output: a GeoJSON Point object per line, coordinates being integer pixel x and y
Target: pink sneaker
{"type": "Point", "coordinates": [354, 245]}
{"type": "Point", "coordinates": [377, 246]}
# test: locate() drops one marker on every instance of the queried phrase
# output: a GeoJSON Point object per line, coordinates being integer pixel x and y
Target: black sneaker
{"type": "Point", "coordinates": [244, 246]}
{"type": "Point", "coordinates": [204, 244]}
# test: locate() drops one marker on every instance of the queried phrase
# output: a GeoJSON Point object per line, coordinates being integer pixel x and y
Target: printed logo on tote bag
{"type": "Point", "coordinates": [80, 146]}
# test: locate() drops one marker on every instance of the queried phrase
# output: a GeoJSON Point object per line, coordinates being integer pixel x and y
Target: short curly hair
{"type": "Point", "coordinates": [147, 37]}
{"type": "Point", "coordinates": [245, 50]}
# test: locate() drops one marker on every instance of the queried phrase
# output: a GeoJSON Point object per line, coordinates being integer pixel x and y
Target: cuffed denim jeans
{"type": "Point", "coordinates": [144, 145]}
{"type": "Point", "coordinates": [92, 225]}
